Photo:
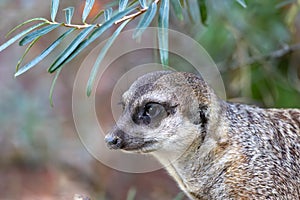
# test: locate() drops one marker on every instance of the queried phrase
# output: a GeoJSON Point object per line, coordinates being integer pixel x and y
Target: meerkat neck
{"type": "Point", "coordinates": [198, 165]}
{"type": "Point", "coordinates": [202, 159]}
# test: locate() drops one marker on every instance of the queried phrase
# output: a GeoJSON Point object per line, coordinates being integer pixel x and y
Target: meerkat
{"type": "Point", "coordinates": [212, 148]}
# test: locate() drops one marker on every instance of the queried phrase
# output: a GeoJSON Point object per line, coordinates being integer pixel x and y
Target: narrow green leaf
{"type": "Point", "coordinates": [15, 38]}
{"type": "Point", "coordinates": [64, 55]}
{"type": "Point", "coordinates": [163, 36]}
{"type": "Point", "coordinates": [242, 3]}
{"type": "Point", "coordinates": [97, 16]}
{"type": "Point", "coordinates": [108, 13]}
{"type": "Point", "coordinates": [133, 3]}
{"type": "Point", "coordinates": [98, 31]}
{"type": "Point", "coordinates": [26, 52]}
{"type": "Point", "coordinates": [52, 86]}
{"type": "Point", "coordinates": [77, 50]}
{"type": "Point", "coordinates": [46, 52]}
{"type": "Point", "coordinates": [87, 9]}
{"type": "Point", "coordinates": [101, 56]}
{"type": "Point", "coordinates": [177, 9]}
{"type": "Point", "coordinates": [69, 14]}
{"type": "Point", "coordinates": [37, 33]}
{"type": "Point", "coordinates": [182, 3]}
{"type": "Point", "coordinates": [122, 5]}
{"type": "Point", "coordinates": [143, 3]}
{"type": "Point", "coordinates": [203, 11]}
{"type": "Point", "coordinates": [145, 20]}
{"type": "Point", "coordinates": [26, 22]}
{"type": "Point", "coordinates": [54, 8]}
{"type": "Point", "coordinates": [193, 8]}
{"type": "Point", "coordinates": [94, 35]}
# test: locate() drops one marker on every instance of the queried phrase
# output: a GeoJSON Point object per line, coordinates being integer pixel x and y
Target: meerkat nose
{"type": "Point", "coordinates": [113, 141]}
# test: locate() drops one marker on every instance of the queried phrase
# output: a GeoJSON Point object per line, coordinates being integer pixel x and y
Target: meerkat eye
{"type": "Point", "coordinates": [151, 113]}
{"type": "Point", "coordinates": [153, 109]}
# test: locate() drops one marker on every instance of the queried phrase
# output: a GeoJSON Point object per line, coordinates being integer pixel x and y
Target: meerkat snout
{"type": "Point", "coordinates": [212, 148]}
{"type": "Point", "coordinates": [114, 141]}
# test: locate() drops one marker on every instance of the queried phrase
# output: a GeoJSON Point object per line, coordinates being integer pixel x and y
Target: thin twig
{"type": "Point", "coordinates": [82, 26]}
{"type": "Point", "coordinates": [285, 50]}
{"type": "Point", "coordinates": [77, 26]}
{"type": "Point", "coordinates": [272, 55]}
{"type": "Point", "coordinates": [134, 15]}
{"type": "Point", "coordinates": [131, 17]}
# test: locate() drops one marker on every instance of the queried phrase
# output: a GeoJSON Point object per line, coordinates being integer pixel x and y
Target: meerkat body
{"type": "Point", "coordinates": [212, 148]}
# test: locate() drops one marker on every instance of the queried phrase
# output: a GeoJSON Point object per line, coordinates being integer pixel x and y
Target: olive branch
{"type": "Point", "coordinates": [118, 14]}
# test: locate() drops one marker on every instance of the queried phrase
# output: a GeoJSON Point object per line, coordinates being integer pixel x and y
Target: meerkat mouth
{"type": "Point", "coordinates": [146, 147]}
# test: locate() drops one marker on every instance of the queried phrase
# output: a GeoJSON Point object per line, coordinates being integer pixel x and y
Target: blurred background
{"type": "Point", "coordinates": [256, 50]}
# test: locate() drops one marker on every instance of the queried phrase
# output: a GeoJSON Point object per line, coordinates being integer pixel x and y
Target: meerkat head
{"type": "Point", "coordinates": [162, 111]}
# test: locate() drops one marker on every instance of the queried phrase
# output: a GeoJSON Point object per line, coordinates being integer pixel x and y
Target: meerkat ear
{"type": "Point", "coordinates": [203, 113]}
{"type": "Point", "coordinates": [198, 114]}
{"type": "Point", "coordinates": [204, 116]}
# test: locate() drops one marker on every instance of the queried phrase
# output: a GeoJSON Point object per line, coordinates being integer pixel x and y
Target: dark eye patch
{"type": "Point", "coordinates": [151, 113]}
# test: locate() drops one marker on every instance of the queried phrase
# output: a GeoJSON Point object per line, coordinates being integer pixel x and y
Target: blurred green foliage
{"type": "Point", "coordinates": [250, 40]}
{"type": "Point", "coordinates": [249, 44]}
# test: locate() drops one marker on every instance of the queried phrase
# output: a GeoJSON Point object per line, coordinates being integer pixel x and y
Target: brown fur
{"type": "Point", "coordinates": [212, 148]}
